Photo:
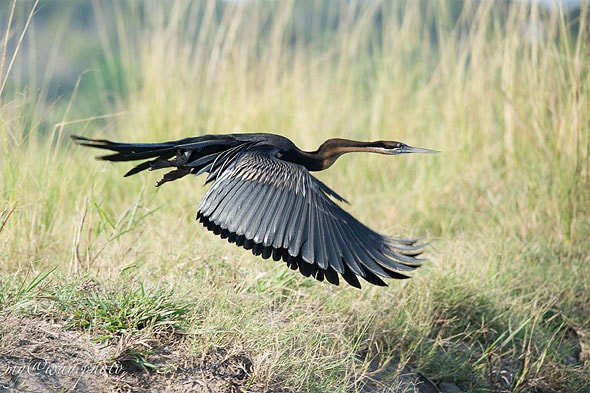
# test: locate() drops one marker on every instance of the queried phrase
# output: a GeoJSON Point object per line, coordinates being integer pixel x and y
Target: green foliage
{"type": "Point", "coordinates": [117, 310]}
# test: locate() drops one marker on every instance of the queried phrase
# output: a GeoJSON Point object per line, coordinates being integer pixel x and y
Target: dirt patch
{"type": "Point", "coordinates": [39, 356]}
{"type": "Point", "coordinates": [36, 356]}
{"type": "Point", "coordinates": [388, 377]}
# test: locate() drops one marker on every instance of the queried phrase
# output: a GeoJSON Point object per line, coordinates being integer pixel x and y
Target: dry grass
{"type": "Point", "coordinates": [504, 303]}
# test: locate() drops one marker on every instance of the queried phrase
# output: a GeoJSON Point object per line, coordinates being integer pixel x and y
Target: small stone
{"type": "Point", "coordinates": [448, 387]}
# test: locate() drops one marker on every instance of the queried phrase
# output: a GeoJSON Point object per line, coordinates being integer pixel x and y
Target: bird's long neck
{"type": "Point", "coordinates": [329, 152]}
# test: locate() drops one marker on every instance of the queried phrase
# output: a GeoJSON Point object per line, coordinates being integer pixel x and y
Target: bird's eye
{"type": "Point", "coordinates": [391, 145]}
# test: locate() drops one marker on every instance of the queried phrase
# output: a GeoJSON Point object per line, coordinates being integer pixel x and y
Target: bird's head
{"type": "Point", "coordinates": [394, 147]}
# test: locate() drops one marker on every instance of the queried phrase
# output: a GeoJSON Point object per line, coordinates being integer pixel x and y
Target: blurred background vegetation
{"type": "Point", "coordinates": [81, 47]}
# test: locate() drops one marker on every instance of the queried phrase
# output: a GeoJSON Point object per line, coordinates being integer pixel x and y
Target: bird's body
{"type": "Point", "coordinates": [264, 198]}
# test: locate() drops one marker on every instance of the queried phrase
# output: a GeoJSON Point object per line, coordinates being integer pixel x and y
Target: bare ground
{"type": "Point", "coordinates": [38, 356]}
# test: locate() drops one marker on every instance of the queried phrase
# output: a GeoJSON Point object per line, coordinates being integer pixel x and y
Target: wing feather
{"type": "Point", "coordinates": [210, 205]}
{"type": "Point", "coordinates": [299, 228]}
{"type": "Point", "coordinates": [308, 235]}
{"type": "Point", "coordinates": [276, 228]}
{"type": "Point", "coordinates": [224, 204]}
{"type": "Point", "coordinates": [260, 214]}
{"type": "Point", "coordinates": [335, 253]}
{"type": "Point", "coordinates": [239, 209]}
{"type": "Point", "coordinates": [278, 209]}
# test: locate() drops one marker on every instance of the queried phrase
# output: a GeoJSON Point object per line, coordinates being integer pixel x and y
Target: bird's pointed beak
{"type": "Point", "coordinates": [411, 149]}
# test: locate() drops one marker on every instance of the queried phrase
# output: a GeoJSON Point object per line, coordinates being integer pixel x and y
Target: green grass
{"type": "Point", "coordinates": [502, 305]}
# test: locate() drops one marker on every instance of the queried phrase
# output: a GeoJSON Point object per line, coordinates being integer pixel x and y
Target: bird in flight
{"type": "Point", "coordinates": [264, 198]}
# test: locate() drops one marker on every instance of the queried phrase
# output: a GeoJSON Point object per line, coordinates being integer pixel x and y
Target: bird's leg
{"type": "Point", "coordinates": [173, 175]}
{"type": "Point", "coordinates": [179, 160]}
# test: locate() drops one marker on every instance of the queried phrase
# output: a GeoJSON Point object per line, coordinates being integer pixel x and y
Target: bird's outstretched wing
{"type": "Point", "coordinates": [277, 208]}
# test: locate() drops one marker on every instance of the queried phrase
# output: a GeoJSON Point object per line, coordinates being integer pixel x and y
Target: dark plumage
{"type": "Point", "coordinates": [264, 198]}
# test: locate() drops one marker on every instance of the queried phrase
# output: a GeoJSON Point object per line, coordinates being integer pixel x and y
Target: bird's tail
{"type": "Point", "coordinates": [161, 153]}
{"type": "Point", "coordinates": [189, 155]}
{"type": "Point", "coordinates": [129, 151]}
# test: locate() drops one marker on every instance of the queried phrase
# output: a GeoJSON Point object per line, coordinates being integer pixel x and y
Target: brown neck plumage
{"type": "Point", "coordinates": [330, 150]}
